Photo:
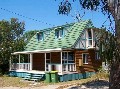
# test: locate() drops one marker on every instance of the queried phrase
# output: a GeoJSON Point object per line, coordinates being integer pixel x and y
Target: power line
{"type": "Point", "coordinates": [26, 17]}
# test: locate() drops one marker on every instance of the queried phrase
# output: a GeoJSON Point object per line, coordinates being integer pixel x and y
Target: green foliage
{"type": "Point", "coordinates": [11, 40]}
{"type": "Point", "coordinates": [102, 70]}
{"type": "Point", "coordinates": [101, 75]}
{"type": "Point", "coordinates": [107, 43]}
{"type": "Point", "coordinates": [65, 6]}
{"type": "Point", "coordinates": [90, 4]}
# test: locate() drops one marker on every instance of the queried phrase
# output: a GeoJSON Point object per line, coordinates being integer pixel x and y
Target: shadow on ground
{"type": "Point", "coordinates": [95, 84]}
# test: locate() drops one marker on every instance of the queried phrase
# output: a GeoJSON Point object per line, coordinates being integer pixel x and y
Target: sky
{"type": "Point", "coordinates": [41, 14]}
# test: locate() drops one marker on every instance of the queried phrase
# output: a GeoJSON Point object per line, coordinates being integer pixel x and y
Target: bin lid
{"type": "Point", "coordinates": [54, 72]}
{"type": "Point", "coordinates": [47, 71]}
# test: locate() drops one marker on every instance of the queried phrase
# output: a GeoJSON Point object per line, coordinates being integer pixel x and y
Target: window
{"type": "Point", "coordinates": [64, 55]}
{"type": "Point", "coordinates": [47, 61]}
{"type": "Point", "coordinates": [97, 56]}
{"type": "Point", "coordinates": [85, 58]}
{"type": "Point", "coordinates": [48, 58]}
{"type": "Point", "coordinates": [68, 61]}
{"type": "Point", "coordinates": [47, 55]}
{"type": "Point", "coordinates": [40, 36]}
{"type": "Point", "coordinates": [89, 37]}
{"type": "Point", "coordinates": [89, 34]}
{"type": "Point", "coordinates": [70, 57]}
{"type": "Point", "coordinates": [58, 33]}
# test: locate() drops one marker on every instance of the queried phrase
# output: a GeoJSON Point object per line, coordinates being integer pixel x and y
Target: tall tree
{"type": "Point", "coordinates": [10, 40]}
{"type": "Point", "coordinates": [112, 42]}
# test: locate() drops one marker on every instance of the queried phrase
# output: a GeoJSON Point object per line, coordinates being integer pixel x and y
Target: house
{"type": "Point", "coordinates": [68, 49]}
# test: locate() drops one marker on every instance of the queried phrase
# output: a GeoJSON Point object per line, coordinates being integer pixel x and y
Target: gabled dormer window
{"type": "Point", "coordinates": [59, 33]}
{"type": "Point", "coordinates": [40, 36]}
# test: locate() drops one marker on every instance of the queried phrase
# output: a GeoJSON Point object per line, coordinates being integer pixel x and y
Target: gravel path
{"type": "Point", "coordinates": [99, 84]}
{"type": "Point", "coordinates": [96, 84]}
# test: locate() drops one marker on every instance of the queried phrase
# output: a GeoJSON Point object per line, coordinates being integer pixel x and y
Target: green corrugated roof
{"type": "Point", "coordinates": [50, 42]}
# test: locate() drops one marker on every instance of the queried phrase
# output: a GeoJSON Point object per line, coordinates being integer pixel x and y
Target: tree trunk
{"type": "Point", "coordinates": [115, 64]}
{"type": "Point", "coordinates": [114, 9]}
{"type": "Point", "coordinates": [115, 76]}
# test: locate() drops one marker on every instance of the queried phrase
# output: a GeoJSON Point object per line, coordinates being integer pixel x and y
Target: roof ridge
{"type": "Point", "coordinates": [72, 23]}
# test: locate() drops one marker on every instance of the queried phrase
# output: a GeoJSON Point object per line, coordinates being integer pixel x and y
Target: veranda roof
{"type": "Point", "coordinates": [38, 51]}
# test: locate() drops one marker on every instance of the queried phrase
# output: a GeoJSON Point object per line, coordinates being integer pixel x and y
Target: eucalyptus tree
{"type": "Point", "coordinates": [111, 42]}
{"type": "Point", "coordinates": [11, 40]}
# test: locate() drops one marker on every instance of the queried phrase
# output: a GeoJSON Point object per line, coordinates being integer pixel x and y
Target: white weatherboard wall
{"type": "Point", "coordinates": [83, 41]}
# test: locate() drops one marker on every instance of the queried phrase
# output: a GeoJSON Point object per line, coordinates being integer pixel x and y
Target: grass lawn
{"type": "Point", "coordinates": [6, 81]}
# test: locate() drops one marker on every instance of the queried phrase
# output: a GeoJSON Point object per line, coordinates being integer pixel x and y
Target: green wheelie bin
{"type": "Point", "coordinates": [48, 77]}
{"type": "Point", "coordinates": [54, 76]}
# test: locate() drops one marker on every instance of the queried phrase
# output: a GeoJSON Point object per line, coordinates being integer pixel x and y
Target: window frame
{"type": "Point", "coordinates": [64, 55]}
{"type": "Point", "coordinates": [65, 62]}
{"type": "Point", "coordinates": [89, 34]}
{"type": "Point", "coordinates": [48, 55]}
{"type": "Point", "coordinates": [90, 38]}
{"type": "Point", "coordinates": [48, 59]}
{"type": "Point", "coordinates": [59, 33]}
{"type": "Point", "coordinates": [40, 36]}
{"type": "Point", "coordinates": [86, 62]}
{"type": "Point", "coordinates": [69, 61]}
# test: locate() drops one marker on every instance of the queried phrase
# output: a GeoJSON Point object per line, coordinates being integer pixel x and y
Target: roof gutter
{"type": "Point", "coordinates": [38, 51]}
